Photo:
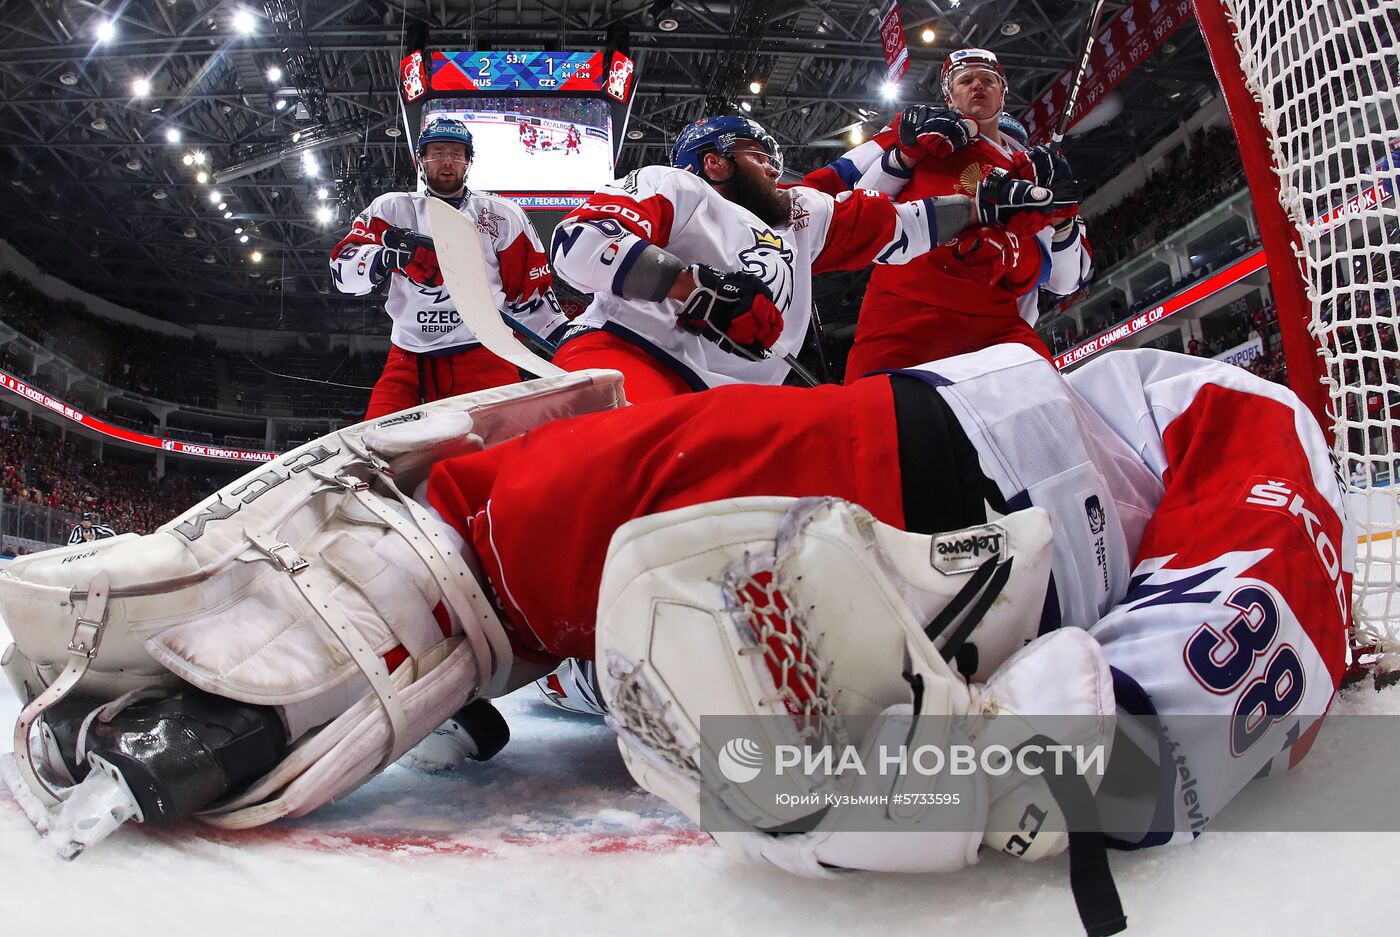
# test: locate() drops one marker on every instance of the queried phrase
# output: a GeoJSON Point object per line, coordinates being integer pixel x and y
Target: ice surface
{"type": "Point", "coordinates": [552, 837]}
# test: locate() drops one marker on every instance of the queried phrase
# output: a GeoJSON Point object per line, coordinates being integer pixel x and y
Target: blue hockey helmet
{"type": "Point", "coordinates": [1013, 128]}
{"type": "Point", "coordinates": [445, 130]}
{"type": "Point", "coordinates": [720, 134]}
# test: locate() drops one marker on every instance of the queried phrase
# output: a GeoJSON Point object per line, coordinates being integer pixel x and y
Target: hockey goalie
{"type": "Point", "coordinates": [977, 553]}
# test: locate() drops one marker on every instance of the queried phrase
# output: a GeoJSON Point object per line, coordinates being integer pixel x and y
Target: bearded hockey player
{"type": "Point", "coordinates": [978, 542]}
{"type": "Point", "coordinates": [433, 355]}
{"type": "Point", "coordinates": [700, 269]}
{"type": "Point", "coordinates": [982, 288]}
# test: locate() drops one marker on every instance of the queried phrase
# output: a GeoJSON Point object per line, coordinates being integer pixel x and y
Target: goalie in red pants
{"type": "Point", "coordinates": [980, 535]}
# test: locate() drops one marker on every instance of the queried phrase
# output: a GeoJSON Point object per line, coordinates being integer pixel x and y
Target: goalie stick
{"type": "Point", "coordinates": [464, 272]}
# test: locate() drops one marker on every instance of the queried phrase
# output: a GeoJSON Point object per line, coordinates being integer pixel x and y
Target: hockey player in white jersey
{"type": "Point", "coordinates": [979, 541]}
{"type": "Point", "coordinates": [701, 269]}
{"type": "Point", "coordinates": [433, 354]}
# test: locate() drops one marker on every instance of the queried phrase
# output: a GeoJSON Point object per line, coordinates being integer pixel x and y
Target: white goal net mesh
{"type": "Point", "coordinates": [1325, 75]}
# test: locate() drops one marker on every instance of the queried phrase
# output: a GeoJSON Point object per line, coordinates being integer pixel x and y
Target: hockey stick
{"type": "Point", "coordinates": [464, 273]}
{"type": "Point", "coordinates": [1063, 123]}
{"type": "Point", "coordinates": [734, 348]}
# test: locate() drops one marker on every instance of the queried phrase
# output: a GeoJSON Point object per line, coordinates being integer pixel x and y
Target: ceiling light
{"type": "Point", "coordinates": [199, 158]}
{"type": "Point", "coordinates": [158, 195]}
{"type": "Point", "coordinates": [68, 78]}
{"type": "Point", "coordinates": [215, 197]}
{"type": "Point", "coordinates": [323, 214]}
{"type": "Point", "coordinates": [243, 239]}
{"type": "Point", "coordinates": [172, 135]}
{"type": "Point", "coordinates": [323, 193]}
{"type": "Point", "coordinates": [667, 23]}
{"type": "Point", "coordinates": [228, 215]}
{"type": "Point", "coordinates": [243, 22]}
{"type": "Point", "coordinates": [928, 35]}
{"type": "Point", "coordinates": [106, 29]}
{"type": "Point", "coordinates": [209, 258]}
{"type": "Point", "coordinates": [857, 135]}
{"type": "Point", "coordinates": [201, 177]}
{"type": "Point", "coordinates": [755, 86]}
{"type": "Point", "coordinates": [93, 252]}
{"type": "Point", "coordinates": [141, 87]}
{"type": "Point", "coordinates": [635, 134]}
{"type": "Point", "coordinates": [188, 232]}
{"type": "Point", "coordinates": [279, 104]}
{"type": "Point", "coordinates": [392, 131]}
{"type": "Point", "coordinates": [274, 74]}
{"type": "Point", "coordinates": [134, 165]}
{"type": "Point", "coordinates": [889, 90]}
{"type": "Point", "coordinates": [296, 136]}
{"type": "Point", "coordinates": [746, 106]}
{"type": "Point", "coordinates": [1010, 28]}
{"type": "Point", "coordinates": [98, 123]}
{"type": "Point", "coordinates": [188, 159]}
{"type": "Point", "coordinates": [238, 230]}
{"type": "Point", "coordinates": [255, 257]}
{"type": "Point", "coordinates": [308, 163]}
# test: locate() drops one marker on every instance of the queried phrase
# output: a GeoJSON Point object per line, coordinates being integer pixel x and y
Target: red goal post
{"type": "Point", "coordinates": [1313, 91]}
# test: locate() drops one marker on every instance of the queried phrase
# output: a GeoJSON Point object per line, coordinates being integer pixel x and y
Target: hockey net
{"type": "Point", "coordinates": [1313, 89]}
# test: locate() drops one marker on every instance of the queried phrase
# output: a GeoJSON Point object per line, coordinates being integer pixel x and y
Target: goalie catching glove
{"type": "Point", "coordinates": [731, 307]}
{"type": "Point", "coordinates": [412, 254]}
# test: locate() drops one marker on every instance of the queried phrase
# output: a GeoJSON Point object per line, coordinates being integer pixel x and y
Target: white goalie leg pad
{"type": "Point", "coordinates": [285, 585]}
{"type": "Point", "coordinates": [793, 610]}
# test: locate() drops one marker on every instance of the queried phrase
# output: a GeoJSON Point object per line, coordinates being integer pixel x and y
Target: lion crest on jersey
{"type": "Point", "coordinates": [770, 260]}
{"type": "Point", "coordinates": [489, 223]}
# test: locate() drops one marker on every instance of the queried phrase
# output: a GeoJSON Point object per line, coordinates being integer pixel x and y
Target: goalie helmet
{"type": "Point", "coordinates": [964, 59]}
{"type": "Point", "coordinates": [720, 134]}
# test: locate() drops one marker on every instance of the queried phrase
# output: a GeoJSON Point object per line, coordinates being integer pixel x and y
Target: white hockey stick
{"type": "Point", "coordinates": [464, 273]}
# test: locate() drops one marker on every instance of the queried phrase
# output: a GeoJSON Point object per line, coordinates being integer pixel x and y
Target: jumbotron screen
{"type": "Point", "coordinates": [535, 149]}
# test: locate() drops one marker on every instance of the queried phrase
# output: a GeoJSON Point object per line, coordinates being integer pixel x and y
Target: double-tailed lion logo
{"type": "Point", "coordinates": [770, 260]}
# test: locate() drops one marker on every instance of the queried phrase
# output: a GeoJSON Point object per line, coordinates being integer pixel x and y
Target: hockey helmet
{"type": "Point", "coordinates": [965, 59]}
{"type": "Point", "coordinates": [445, 130]}
{"type": "Point", "coordinates": [720, 134]}
{"type": "Point", "coordinates": [1013, 128]}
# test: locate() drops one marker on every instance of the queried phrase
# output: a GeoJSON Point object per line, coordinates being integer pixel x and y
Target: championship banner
{"type": "Point", "coordinates": [896, 52]}
{"type": "Point", "coordinates": [1187, 297]}
{"type": "Point", "coordinates": [1136, 33]}
{"type": "Point", "coordinates": [44, 399]}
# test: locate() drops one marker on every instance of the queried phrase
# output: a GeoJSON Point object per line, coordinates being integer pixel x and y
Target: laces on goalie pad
{"type": "Point", "coordinates": [735, 633]}
{"type": "Point", "coordinates": [287, 587]}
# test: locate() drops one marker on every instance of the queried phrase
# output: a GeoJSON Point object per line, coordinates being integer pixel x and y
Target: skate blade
{"type": "Point", "coordinates": [92, 811]}
{"type": "Point", "coordinates": [34, 810]}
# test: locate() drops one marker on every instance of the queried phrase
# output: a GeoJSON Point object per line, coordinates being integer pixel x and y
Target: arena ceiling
{"type": "Point", "coordinates": [97, 190]}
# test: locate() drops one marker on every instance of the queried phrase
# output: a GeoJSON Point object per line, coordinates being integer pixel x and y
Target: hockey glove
{"type": "Point", "coordinates": [736, 307]}
{"type": "Point", "coordinates": [1002, 196]}
{"type": "Point", "coordinates": [1043, 165]}
{"type": "Point", "coordinates": [932, 131]}
{"type": "Point", "coordinates": [997, 257]}
{"type": "Point", "coordinates": [412, 254]}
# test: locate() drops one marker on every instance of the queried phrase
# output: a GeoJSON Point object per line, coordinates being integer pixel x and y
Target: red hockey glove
{"type": "Point", "coordinates": [1043, 165]}
{"type": "Point", "coordinates": [932, 131]}
{"type": "Point", "coordinates": [997, 257]}
{"type": "Point", "coordinates": [731, 307]}
{"type": "Point", "coordinates": [412, 254]}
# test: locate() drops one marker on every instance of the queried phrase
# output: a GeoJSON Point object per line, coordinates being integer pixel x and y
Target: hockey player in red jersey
{"type": "Point", "coordinates": [433, 355]}
{"type": "Point", "coordinates": [699, 271]}
{"type": "Point", "coordinates": [529, 136]}
{"type": "Point", "coordinates": [980, 289]}
{"type": "Point", "coordinates": [974, 537]}
{"type": "Point", "coordinates": [572, 140]}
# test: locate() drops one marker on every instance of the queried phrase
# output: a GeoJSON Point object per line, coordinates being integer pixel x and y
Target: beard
{"type": "Point", "coordinates": [442, 186]}
{"type": "Point", "coordinates": [760, 195]}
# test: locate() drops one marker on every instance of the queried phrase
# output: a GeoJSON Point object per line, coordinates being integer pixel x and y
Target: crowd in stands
{"type": "Point", "coordinates": [39, 467]}
{"type": "Point", "coordinates": [1198, 178]}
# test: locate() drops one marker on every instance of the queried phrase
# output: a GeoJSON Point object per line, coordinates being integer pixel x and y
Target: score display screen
{"type": "Point", "coordinates": [542, 152]}
{"type": "Point", "coordinates": [539, 72]}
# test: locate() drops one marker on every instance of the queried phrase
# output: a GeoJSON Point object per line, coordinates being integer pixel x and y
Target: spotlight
{"type": "Point", "coordinates": [755, 87]}
{"type": "Point", "coordinates": [274, 74]}
{"type": "Point", "coordinates": [889, 91]}
{"type": "Point", "coordinates": [323, 214]}
{"type": "Point", "coordinates": [198, 158]}
{"type": "Point", "coordinates": [928, 35]}
{"type": "Point", "coordinates": [256, 257]}
{"type": "Point", "coordinates": [243, 22]}
{"type": "Point", "coordinates": [188, 159]}
{"type": "Point", "coordinates": [323, 193]}
{"type": "Point", "coordinates": [201, 177]}
{"type": "Point", "coordinates": [228, 215]}
{"type": "Point", "coordinates": [222, 205]}
{"type": "Point", "coordinates": [243, 239]}
{"type": "Point", "coordinates": [106, 29]}
{"type": "Point", "coordinates": [141, 87]}
{"type": "Point", "coordinates": [172, 135]}
{"type": "Point", "coordinates": [279, 104]}
{"type": "Point", "coordinates": [238, 230]}
{"type": "Point", "coordinates": [746, 106]}
{"type": "Point", "coordinates": [309, 164]}
{"type": "Point", "coordinates": [857, 135]}
{"type": "Point", "coordinates": [215, 197]}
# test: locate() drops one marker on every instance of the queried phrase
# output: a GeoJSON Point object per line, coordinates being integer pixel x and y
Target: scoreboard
{"type": "Point", "coordinates": [542, 72]}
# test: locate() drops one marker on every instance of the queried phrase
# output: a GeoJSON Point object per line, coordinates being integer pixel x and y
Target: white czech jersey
{"type": "Point", "coordinates": [425, 318]}
{"type": "Point", "coordinates": [595, 246]}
